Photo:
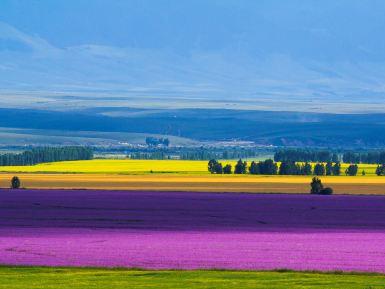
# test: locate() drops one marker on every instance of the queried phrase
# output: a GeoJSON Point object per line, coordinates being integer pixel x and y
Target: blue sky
{"type": "Point", "coordinates": [234, 50]}
{"type": "Point", "coordinates": [340, 28]}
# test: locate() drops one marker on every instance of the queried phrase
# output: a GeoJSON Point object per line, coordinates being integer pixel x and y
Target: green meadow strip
{"type": "Point", "coordinates": [74, 278]}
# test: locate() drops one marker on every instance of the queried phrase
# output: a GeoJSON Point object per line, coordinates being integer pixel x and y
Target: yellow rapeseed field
{"type": "Point", "coordinates": [99, 166]}
{"type": "Point", "coordinates": [114, 167]}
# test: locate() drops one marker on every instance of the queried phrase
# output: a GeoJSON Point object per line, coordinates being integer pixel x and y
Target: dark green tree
{"type": "Point", "coordinates": [15, 183]}
{"type": "Point", "coordinates": [227, 169]}
{"type": "Point", "coordinates": [316, 186]}
{"type": "Point", "coordinates": [254, 168]}
{"type": "Point", "coordinates": [240, 167]}
{"type": "Point", "coordinates": [218, 168]}
{"type": "Point", "coordinates": [380, 171]}
{"type": "Point", "coordinates": [268, 167]}
{"type": "Point", "coordinates": [289, 168]}
{"type": "Point", "coordinates": [319, 169]}
{"type": "Point", "coordinates": [337, 169]}
{"type": "Point", "coordinates": [307, 169]}
{"type": "Point", "coordinates": [285, 168]}
{"type": "Point", "coordinates": [329, 168]}
{"type": "Point", "coordinates": [211, 166]}
{"type": "Point", "coordinates": [352, 170]}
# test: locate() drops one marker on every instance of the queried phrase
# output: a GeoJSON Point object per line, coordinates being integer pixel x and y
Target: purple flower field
{"type": "Point", "coordinates": [192, 230]}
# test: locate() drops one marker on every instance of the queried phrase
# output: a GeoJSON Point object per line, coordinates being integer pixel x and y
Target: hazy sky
{"type": "Point", "coordinates": [318, 29]}
{"type": "Point", "coordinates": [331, 50]}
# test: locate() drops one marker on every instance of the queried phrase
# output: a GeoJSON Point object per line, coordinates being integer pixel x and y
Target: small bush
{"type": "Point", "coordinates": [316, 186]}
{"type": "Point", "coordinates": [326, 191]}
{"type": "Point", "coordinates": [15, 183]}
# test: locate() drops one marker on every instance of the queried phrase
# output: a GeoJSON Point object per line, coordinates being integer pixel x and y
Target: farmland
{"type": "Point", "coordinates": [158, 224]}
{"type": "Point", "coordinates": [115, 167]}
{"type": "Point", "coordinates": [100, 166]}
{"type": "Point", "coordinates": [80, 278]}
{"type": "Point", "coordinates": [198, 183]}
{"type": "Point", "coordinates": [176, 175]}
{"type": "Point", "coordinates": [192, 231]}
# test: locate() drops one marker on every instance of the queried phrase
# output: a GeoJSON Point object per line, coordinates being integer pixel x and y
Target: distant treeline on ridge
{"type": "Point", "coordinates": [185, 153]}
{"type": "Point", "coordinates": [298, 155]}
{"type": "Point", "coordinates": [376, 157]}
{"type": "Point", "coordinates": [46, 155]}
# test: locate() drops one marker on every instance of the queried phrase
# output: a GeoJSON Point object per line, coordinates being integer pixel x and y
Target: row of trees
{"type": "Point", "coordinates": [207, 154]}
{"type": "Point", "coordinates": [216, 167]}
{"type": "Point", "coordinates": [159, 152]}
{"type": "Point", "coordinates": [46, 155]}
{"type": "Point", "coordinates": [269, 167]}
{"type": "Point", "coordinates": [157, 155]}
{"type": "Point", "coordinates": [377, 157]}
{"type": "Point", "coordinates": [297, 155]}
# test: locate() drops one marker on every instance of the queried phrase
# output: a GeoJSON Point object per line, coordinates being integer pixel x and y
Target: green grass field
{"type": "Point", "coordinates": [76, 278]}
{"type": "Point", "coordinates": [108, 166]}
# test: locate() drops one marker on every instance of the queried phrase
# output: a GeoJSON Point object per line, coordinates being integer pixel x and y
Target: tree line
{"type": "Point", "coordinates": [192, 153]}
{"type": "Point", "coordinates": [225, 154]}
{"type": "Point", "coordinates": [297, 155]}
{"type": "Point", "coordinates": [269, 167]}
{"type": "Point", "coordinates": [46, 155]}
{"type": "Point", "coordinates": [323, 156]}
{"type": "Point", "coordinates": [376, 157]}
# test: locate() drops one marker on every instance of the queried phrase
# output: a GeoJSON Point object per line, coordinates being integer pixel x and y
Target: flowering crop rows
{"type": "Point", "coordinates": [192, 230]}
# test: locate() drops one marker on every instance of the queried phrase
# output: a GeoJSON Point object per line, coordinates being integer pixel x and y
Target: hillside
{"type": "Point", "coordinates": [95, 126]}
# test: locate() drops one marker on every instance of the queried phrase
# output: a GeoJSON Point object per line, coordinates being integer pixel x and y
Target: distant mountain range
{"type": "Point", "coordinates": [314, 56]}
{"type": "Point", "coordinates": [97, 126]}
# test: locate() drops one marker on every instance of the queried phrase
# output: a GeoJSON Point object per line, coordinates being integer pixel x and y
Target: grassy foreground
{"type": "Point", "coordinates": [74, 278]}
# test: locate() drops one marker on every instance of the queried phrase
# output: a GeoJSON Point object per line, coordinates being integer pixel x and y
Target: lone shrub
{"type": "Point", "coordinates": [15, 183]}
{"type": "Point", "coordinates": [326, 191]}
{"type": "Point", "coordinates": [316, 186]}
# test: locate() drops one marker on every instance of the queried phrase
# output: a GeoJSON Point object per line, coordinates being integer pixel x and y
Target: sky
{"type": "Point", "coordinates": [274, 55]}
